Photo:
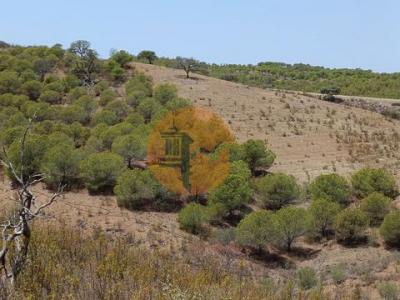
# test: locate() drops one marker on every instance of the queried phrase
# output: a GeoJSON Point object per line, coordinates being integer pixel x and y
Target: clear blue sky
{"type": "Point", "coordinates": [335, 33]}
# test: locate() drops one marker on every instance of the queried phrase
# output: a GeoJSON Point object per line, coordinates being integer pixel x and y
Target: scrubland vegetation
{"type": "Point", "coordinates": [89, 120]}
{"type": "Point", "coordinates": [301, 77]}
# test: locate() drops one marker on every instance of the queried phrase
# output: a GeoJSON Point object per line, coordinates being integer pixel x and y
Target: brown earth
{"type": "Point", "coordinates": [309, 136]}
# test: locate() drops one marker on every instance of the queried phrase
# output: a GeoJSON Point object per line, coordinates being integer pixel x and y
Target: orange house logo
{"type": "Point", "coordinates": [181, 151]}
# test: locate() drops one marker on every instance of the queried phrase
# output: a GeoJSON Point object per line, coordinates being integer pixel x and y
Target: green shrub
{"type": "Point", "coordinates": [376, 206]}
{"type": "Point", "coordinates": [122, 58]}
{"type": "Point", "coordinates": [149, 107]}
{"type": "Point", "coordinates": [277, 190]}
{"type": "Point", "coordinates": [76, 93]}
{"type": "Point", "coordinates": [41, 111]}
{"type": "Point", "coordinates": [332, 187]}
{"type": "Point", "coordinates": [323, 213]}
{"type": "Point", "coordinates": [233, 193]}
{"type": "Point", "coordinates": [291, 223]}
{"type": "Point", "coordinates": [109, 134]}
{"type": "Point", "coordinates": [9, 82]}
{"type": "Point", "coordinates": [56, 86]}
{"type": "Point", "coordinates": [118, 74]}
{"type": "Point", "coordinates": [388, 291]}
{"type": "Point", "coordinates": [100, 87]}
{"type": "Point", "coordinates": [34, 149]}
{"type": "Point", "coordinates": [135, 119]}
{"type": "Point", "coordinates": [192, 218]}
{"type": "Point", "coordinates": [70, 82]}
{"type": "Point", "coordinates": [135, 97]}
{"type": "Point", "coordinates": [306, 278]}
{"type": "Point", "coordinates": [104, 116]}
{"type": "Point", "coordinates": [165, 92]}
{"type": "Point", "coordinates": [101, 170]}
{"type": "Point", "coordinates": [257, 155]}
{"type": "Point", "coordinates": [177, 103]}
{"type": "Point", "coordinates": [139, 82]}
{"type": "Point", "coordinates": [61, 165]}
{"type": "Point", "coordinates": [135, 187]}
{"type": "Point", "coordinates": [390, 228]}
{"type": "Point", "coordinates": [32, 89]}
{"type": "Point", "coordinates": [107, 96]}
{"type": "Point", "coordinates": [72, 113]}
{"type": "Point", "coordinates": [148, 55]}
{"type": "Point", "coordinates": [130, 147]}
{"type": "Point", "coordinates": [256, 229]}
{"type": "Point", "coordinates": [368, 180]}
{"type": "Point", "coordinates": [89, 105]}
{"type": "Point", "coordinates": [119, 107]}
{"type": "Point", "coordinates": [351, 225]}
{"type": "Point", "coordinates": [51, 97]}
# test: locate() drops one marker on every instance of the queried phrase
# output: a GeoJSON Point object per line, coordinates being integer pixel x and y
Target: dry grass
{"type": "Point", "coordinates": [305, 132]}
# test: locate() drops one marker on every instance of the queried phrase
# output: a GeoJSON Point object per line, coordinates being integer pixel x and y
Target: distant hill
{"type": "Point", "coordinates": [303, 77]}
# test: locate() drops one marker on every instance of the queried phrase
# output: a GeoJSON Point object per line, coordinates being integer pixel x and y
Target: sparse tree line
{"type": "Point", "coordinates": [296, 77]}
{"type": "Point", "coordinates": [337, 208]}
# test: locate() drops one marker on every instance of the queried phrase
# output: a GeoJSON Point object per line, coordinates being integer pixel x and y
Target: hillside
{"type": "Point", "coordinates": [303, 77]}
{"type": "Point", "coordinates": [74, 124]}
{"type": "Point", "coordinates": [309, 136]}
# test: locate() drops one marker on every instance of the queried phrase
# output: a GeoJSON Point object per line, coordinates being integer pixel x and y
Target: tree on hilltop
{"type": "Point", "coordinates": [148, 55]}
{"type": "Point", "coordinates": [187, 64]}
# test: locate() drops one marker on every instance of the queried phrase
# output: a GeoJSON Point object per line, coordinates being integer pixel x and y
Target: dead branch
{"type": "Point", "coordinates": [16, 230]}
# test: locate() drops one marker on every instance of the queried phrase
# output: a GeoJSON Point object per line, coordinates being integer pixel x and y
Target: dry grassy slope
{"type": "Point", "coordinates": [308, 135]}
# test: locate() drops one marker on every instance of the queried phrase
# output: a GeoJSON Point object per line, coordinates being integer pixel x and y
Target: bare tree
{"type": "Point", "coordinates": [15, 230]}
{"type": "Point", "coordinates": [187, 64]}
